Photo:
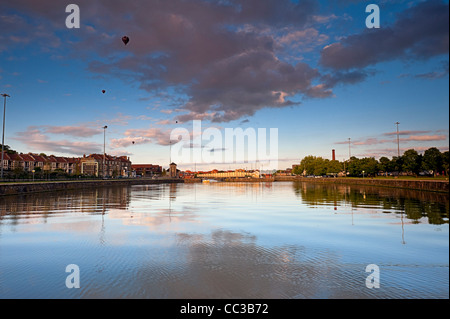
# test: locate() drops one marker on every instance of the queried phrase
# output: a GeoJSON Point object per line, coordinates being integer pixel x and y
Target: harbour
{"type": "Point", "coordinates": [189, 240]}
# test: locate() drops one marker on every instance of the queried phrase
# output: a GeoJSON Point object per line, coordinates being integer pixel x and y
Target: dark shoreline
{"type": "Point", "coordinates": [38, 187]}
{"type": "Point", "coordinates": [440, 186]}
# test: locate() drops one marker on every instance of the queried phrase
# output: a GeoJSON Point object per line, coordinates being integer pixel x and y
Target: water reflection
{"type": "Point", "coordinates": [418, 206]}
{"type": "Point", "coordinates": [224, 240]}
{"type": "Point", "coordinates": [89, 200]}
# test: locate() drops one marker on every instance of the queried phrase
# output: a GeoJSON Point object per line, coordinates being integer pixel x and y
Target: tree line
{"type": "Point", "coordinates": [431, 162]}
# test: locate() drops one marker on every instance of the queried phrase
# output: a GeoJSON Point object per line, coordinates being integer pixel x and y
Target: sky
{"type": "Point", "coordinates": [313, 70]}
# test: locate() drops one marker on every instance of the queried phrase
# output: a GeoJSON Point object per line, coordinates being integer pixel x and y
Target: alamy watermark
{"type": "Point", "coordinates": [235, 146]}
{"type": "Point", "coordinates": [373, 280]}
{"type": "Point", "coordinates": [373, 19]}
{"type": "Point", "coordinates": [73, 280]}
{"type": "Point", "coordinates": [73, 19]}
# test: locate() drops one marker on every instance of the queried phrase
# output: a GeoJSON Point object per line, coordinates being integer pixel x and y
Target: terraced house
{"type": "Point", "coordinates": [87, 165]}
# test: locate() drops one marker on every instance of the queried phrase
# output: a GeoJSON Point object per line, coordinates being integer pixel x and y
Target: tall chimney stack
{"type": "Point", "coordinates": [334, 155]}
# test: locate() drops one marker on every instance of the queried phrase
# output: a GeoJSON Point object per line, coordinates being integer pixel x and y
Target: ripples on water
{"type": "Point", "coordinates": [225, 240]}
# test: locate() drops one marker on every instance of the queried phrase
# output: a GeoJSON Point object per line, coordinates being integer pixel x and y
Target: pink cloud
{"type": "Point", "coordinates": [425, 138]}
{"type": "Point", "coordinates": [372, 141]}
{"type": "Point", "coordinates": [405, 133]}
{"type": "Point", "coordinates": [128, 141]}
{"type": "Point", "coordinates": [37, 141]}
{"type": "Point", "coordinates": [145, 136]}
{"type": "Point", "coordinates": [80, 131]}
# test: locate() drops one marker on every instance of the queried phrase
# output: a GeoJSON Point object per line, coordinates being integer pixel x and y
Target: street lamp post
{"type": "Point", "coordinates": [398, 140]}
{"type": "Point", "coordinates": [104, 149]}
{"type": "Point", "coordinates": [349, 152]}
{"type": "Point", "coordinates": [3, 135]}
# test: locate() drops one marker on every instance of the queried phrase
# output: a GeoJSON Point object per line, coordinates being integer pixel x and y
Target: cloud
{"type": "Point", "coordinates": [390, 152]}
{"type": "Point", "coordinates": [120, 119]}
{"type": "Point", "coordinates": [411, 137]}
{"type": "Point", "coordinates": [143, 136]}
{"type": "Point", "coordinates": [144, 118]}
{"type": "Point", "coordinates": [201, 48]}
{"type": "Point", "coordinates": [439, 73]}
{"type": "Point", "coordinates": [419, 32]}
{"type": "Point", "coordinates": [128, 141]}
{"type": "Point", "coordinates": [35, 139]}
{"type": "Point", "coordinates": [442, 72]}
{"type": "Point", "coordinates": [405, 133]}
{"type": "Point", "coordinates": [353, 77]}
{"type": "Point", "coordinates": [372, 141]}
{"type": "Point", "coordinates": [79, 131]}
{"type": "Point", "coordinates": [228, 59]}
{"type": "Point", "coordinates": [120, 152]}
{"type": "Point", "coordinates": [165, 122]}
{"type": "Point", "coordinates": [424, 138]}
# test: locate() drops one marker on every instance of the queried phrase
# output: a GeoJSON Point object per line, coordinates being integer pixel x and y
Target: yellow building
{"type": "Point", "coordinates": [239, 173]}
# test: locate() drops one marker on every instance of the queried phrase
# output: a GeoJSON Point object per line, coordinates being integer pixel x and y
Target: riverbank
{"type": "Point", "coordinates": [415, 184]}
{"type": "Point", "coordinates": [441, 186]}
{"type": "Point", "coordinates": [34, 187]}
{"type": "Point", "coordinates": [438, 185]}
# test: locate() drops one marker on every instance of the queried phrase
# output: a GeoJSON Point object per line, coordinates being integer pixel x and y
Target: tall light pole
{"type": "Point", "coordinates": [3, 135]}
{"type": "Point", "coordinates": [349, 153]}
{"type": "Point", "coordinates": [398, 140]}
{"type": "Point", "coordinates": [104, 148]}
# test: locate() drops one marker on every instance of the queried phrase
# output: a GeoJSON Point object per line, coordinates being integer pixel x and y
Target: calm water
{"type": "Point", "coordinates": [225, 240]}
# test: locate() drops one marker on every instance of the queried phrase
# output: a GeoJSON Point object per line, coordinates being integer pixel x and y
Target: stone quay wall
{"type": "Point", "coordinates": [23, 188]}
{"type": "Point", "coordinates": [423, 185]}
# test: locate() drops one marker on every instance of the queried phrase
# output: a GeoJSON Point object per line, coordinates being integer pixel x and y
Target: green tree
{"type": "Point", "coordinates": [19, 172]}
{"type": "Point", "coordinates": [445, 161]}
{"type": "Point", "coordinates": [8, 149]}
{"type": "Point", "coordinates": [432, 160]}
{"type": "Point", "coordinates": [396, 164]}
{"type": "Point", "coordinates": [412, 162]}
{"type": "Point", "coordinates": [369, 165]}
{"type": "Point", "coordinates": [320, 166]}
{"type": "Point", "coordinates": [307, 164]}
{"type": "Point", "coordinates": [384, 165]}
{"type": "Point", "coordinates": [297, 170]}
{"type": "Point", "coordinates": [354, 166]}
{"type": "Point", "coordinates": [334, 167]}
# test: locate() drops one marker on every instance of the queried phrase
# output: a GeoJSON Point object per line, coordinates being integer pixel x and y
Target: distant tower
{"type": "Point", "coordinates": [173, 170]}
{"type": "Point", "coordinates": [333, 155]}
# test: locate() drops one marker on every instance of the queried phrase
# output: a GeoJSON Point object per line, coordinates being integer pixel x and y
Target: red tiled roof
{"type": "Point", "coordinates": [39, 158]}
{"type": "Point", "coordinates": [27, 157]}
{"type": "Point", "coordinates": [60, 159]}
{"type": "Point", "coordinates": [72, 159]}
{"type": "Point", "coordinates": [6, 156]}
{"type": "Point", "coordinates": [144, 166]}
{"type": "Point", "coordinates": [31, 157]}
{"type": "Point", "coordinates": [15, 157]}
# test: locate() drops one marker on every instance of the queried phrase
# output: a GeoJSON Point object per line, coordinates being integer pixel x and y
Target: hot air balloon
{"type": "Point", "coordinates": [125, 39]}
{"type": "Point", "coordinates": [132, 142]}
{"type": "Point", "coordinates": [103, 91]}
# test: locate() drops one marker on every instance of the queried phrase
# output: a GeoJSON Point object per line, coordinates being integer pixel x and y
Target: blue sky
{"type": "Point", "coordinates": [311, 69]}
